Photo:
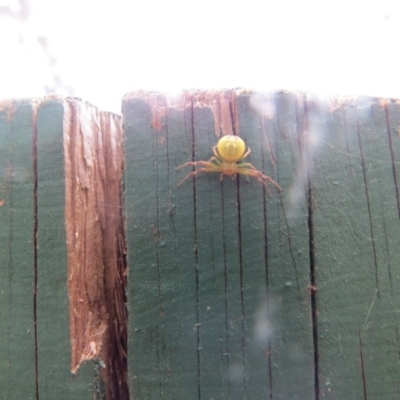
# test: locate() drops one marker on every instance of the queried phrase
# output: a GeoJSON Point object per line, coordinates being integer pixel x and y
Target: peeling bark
{"type": "Point", "coordinates": [96, 242]}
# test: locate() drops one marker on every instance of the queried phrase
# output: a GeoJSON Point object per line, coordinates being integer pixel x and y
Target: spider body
{"type": "Point", "coordinates": [229, 154]}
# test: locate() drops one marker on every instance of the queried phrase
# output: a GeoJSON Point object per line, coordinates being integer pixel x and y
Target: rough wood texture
{"type": "Point", "coordinates": [232, 294]}
{"type": "Point", "coordinates": [357, 236]}
{"type": "Point", "coordinates": [35, 334]}
{"type": "Point", "coordinates": [236, 295]}
{"type": "Point", "coordinates": [219, 276]}
{"type": "Point", "coordinates": [95, 243]}
{"type": "Point", "coordinates": [54, 349]}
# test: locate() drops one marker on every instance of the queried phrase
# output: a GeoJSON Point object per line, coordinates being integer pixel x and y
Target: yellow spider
{"type": "Point", "coordinates": [228, 160]}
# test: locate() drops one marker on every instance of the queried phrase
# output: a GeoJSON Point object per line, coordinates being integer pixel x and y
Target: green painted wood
{"type": "Point", "coordinates": [287, 261]}
{"type": "Point", "coordinates": [54, 359]}
{"type": "Point", "coordinates": [17, 267]}
{"type": "Point", "coordinates": [356, 219]}
{"type": "Point", "coordinates": [162, 262]}
{"type": "Point", "coordinates": [219, 288]}
{"type": "Point", "coordinates": [219, 272]}
{"type": "Point", "coordinates": [34, 365]}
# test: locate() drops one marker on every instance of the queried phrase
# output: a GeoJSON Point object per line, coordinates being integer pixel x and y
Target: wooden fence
{"type": "Point", "coordinates": [213, 289]}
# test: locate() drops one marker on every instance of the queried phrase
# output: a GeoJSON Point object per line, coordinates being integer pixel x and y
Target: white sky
{"type": "Point", "coordinates": [103, 49]}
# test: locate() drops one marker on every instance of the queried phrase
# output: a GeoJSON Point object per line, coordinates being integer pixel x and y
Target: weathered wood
{"type": "Point", "coordinates": [17, 266]}
{"type": "Point", "coordinates": [233, 294]}
{"type": "Point", "coordinates": [154, 269]}
{"type": "Point", "coordinates": [33, 283]}
{"type": "Point", "coordinates": [95, 243]}
{"type": "Point", "coordinates": [35, 331]}
{"type": "Point", "coordinates": [289, 296]}
{"type": "Point", "coordinates": [219, 299]}
{"type": "Point", "coordinates": [55, 380]}
{"type": "Point", "coordinates": [356, 220]}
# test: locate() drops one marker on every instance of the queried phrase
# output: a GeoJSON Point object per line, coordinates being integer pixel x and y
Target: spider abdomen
{"type": "Point", "coordinates": [231, 148]}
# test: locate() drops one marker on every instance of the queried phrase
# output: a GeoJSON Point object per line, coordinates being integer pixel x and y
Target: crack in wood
{"type": "Point", "coordinates": [311, 234]}
{"type": "Point", "coordinates": [366, 185]}
{"type": "Point", "coordinates": [35, 245]}
{"type": "Point", "coordinates": [196, 253]}
{"type": "Point", "coordinates": [387, 119]}
{"type": "Point", "coordinates": [364, 382]}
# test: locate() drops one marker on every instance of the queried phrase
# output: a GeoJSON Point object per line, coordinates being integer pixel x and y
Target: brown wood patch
{"type": "Point", "coordinates": [95, 242]}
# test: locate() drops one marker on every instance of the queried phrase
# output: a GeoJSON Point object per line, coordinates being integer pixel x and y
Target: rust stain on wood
{"type": "Point", "coordinates": [96, 242]}
{"type": "Point", "coordinates": [223, 105]}
{"type": "Point", "coordinates": [8, 106]}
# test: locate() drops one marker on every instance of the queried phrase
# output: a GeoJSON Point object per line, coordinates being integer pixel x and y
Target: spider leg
{"type": "Point", "coordinates": [264, 178]}
{"type": "Point", "coordinates": [250, 170]}
{"type": "Point", "coordinates": [266, 186]}
{"type": "Point", "coordinates": [212, 165]}
{"type": "Point", "coordinates": [206, 168]}
{"type": "Point", "coordinates": [245, 154]}
{"type": "Point", "coordinates": [192, 164]}
{"type": "Point", "coordinates": [248, 165]}
{"type": "Point", "coordinates": [215, 152]}
{"type": "Point", "coordinates": [213, 161]}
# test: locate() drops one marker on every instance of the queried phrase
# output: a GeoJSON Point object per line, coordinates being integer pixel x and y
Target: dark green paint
{"type": "Point", "coordinates": [17, 343]}
{"type": "Point", "coordinates": [357, 240]}
{"type": "Point", "coordinates": [55, 378]}
{"type": "Point", "coordinates": [222, 273]}
{"type": "Point", "coordinates": [162, 263]}
{"type": "Point", "coordinates": [219, 298]}
{"type": "Point", "coordinates": [19, 364]}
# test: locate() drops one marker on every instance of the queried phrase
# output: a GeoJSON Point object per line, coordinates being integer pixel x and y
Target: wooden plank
{"type": "Point", "coordinates": [55, 380]}
{"type": "Point", "coordinates": [96, 252]}
{"type": "Point", "coordinates": [218, 294]}
{"type": "Point", "coordinates": [162, 334]}
{"type": "Point", "coordinates": [287, 244]}
{"type": "Point", "coordinates": [356, 224]}
{"type": "Point", "coordinates": [35, 340]}
{"type": "Point", "coordinates": [379, 335]}
{"type": "Point", "coordinates": [18, 366]}
{"type": "Point", "coordinates": [233, 293]}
